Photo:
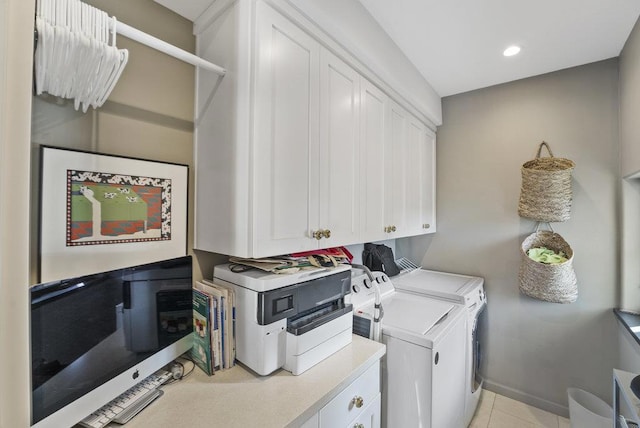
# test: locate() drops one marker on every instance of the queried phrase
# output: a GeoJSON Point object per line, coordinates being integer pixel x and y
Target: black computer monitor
{"type": "Point", "coordinates": [95, 336]}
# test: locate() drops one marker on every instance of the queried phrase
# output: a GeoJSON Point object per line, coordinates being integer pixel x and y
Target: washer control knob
{"type": "Point", "coordinates": [367, 283]}
{"type": "Point", "coordinates": [355, 288]}
{"type": "Point", "coordinates": [384, 278]}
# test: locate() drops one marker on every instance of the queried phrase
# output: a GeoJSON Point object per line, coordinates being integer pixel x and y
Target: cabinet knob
{"type": "Point", "coordinates": [357, 401]}
{"type": "Point", "coordinates": [426, 226]}
{"type": "Point", "coordinates": [358, 425]}
{"type": "Point", "coordinates": [393, 228]}
{"type": "Point", "coordinates": [317, 234]}
{"type": "Point", "coordinates": [386, 229]}
{"type": "Point", "coordinates": [327, 233]}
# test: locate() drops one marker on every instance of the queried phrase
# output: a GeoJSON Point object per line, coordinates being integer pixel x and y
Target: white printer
{"type": "Point", "coordinates": [289, 320]}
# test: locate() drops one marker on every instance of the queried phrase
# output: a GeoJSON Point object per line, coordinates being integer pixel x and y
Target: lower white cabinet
{"type": "Point", "coordinates": [356, 406]}
{"type": "Point", "coordinates": [369, 417]}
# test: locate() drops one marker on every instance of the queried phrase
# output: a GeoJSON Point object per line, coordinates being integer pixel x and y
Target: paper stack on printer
{"type": "Point", "coordinates": [329, 257]}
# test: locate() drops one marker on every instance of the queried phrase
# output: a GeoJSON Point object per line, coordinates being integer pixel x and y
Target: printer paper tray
{"type": "Point", "coordinates": [313, 320]}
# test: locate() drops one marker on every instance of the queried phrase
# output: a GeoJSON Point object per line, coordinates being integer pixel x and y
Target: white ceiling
{"type": "Point", "coordinates": [457, 44]}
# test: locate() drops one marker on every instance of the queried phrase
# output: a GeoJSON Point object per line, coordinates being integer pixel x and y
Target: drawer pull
{"type": "Point", "coordinates": [357, 401]}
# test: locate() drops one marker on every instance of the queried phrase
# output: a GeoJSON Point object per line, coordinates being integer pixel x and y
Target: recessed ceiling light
{"type": "Point", "coordinates": [511, 51]}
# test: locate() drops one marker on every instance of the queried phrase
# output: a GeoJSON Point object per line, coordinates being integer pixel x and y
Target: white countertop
{"type": "Point", "coordinates": [240, 398]}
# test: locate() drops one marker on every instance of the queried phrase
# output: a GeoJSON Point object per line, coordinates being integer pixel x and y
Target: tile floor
{"type": "Point", "coordinates": [498, 411]}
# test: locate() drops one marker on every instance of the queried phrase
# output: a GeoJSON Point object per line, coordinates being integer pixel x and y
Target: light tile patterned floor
{"type": "Point", "coordinates": [498, 411]}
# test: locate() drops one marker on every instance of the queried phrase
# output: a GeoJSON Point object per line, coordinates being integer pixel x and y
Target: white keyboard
{"type": "Point", "coordinates": [128, 404]}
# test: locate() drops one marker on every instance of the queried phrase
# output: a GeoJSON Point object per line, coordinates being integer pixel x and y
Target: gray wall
{"type": "Point", "coordinates": [630, 103]}
{"type": "Point", "coordinates": [629, 351]}
{"type": "Point", "coordinates": [534, 350]}
{"type": "Point", "coordinates": [630, 166]}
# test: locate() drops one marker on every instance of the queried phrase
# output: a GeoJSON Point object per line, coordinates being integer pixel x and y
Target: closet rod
{"type": "Point", "coordinates": [162, 46]}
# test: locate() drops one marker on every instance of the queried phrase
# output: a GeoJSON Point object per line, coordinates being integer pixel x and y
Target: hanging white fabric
{"type": "Point", "coordinates": [76, 56]}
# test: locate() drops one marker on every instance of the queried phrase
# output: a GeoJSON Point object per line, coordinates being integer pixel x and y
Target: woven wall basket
{"type": "Point", "coordinates": [555, 283]}
{"type": "Point", "coordinates": [546, 193]}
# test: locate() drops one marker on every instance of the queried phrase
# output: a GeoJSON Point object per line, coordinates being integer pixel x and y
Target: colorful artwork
{"type": "Point", "coordinates": [105, 208]}
{"type": "Point", "coordinates": [101, 212]}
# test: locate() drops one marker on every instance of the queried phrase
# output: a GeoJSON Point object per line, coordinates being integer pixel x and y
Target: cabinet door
{"type": "Point", "coordinates": [396, 162]}
{"type": "Point", "coordinates": [339, 151]}
{"type": "Point", "coordinates": [416, 140]}
{"type": "Point", "coordinates": [370, 416]}
{"type": "Point", "coordinates": [352, 401]}
{"type": "Point", "coordinates": [286, 136]}
{"type": "Point", "coordinates": [428, 183]}
{"type": "Point", "coordinates": [372, 154]}
{"type": "Point", "coordinates": [419, 176]}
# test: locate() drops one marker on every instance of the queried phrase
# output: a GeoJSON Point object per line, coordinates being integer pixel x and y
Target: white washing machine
{"type": "Point", "coordinates": [423, 369]}
{"type": "Point", "coordinates": [461, 289]}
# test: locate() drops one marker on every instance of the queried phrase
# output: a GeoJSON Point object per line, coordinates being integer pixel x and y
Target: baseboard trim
{"type": "Point", "coordinates": [529, 399]}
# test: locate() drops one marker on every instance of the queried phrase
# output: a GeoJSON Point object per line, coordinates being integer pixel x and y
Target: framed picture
{"type": "Point", "coordinates": [101, 212]}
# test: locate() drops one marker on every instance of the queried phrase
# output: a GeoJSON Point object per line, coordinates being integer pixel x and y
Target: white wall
{"type": "Point", "coordinates": [534, 350]}
{"type": "Point", "coordinates": [16, 46]}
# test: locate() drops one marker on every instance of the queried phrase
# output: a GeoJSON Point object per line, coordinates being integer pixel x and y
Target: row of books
{"type": "Point", "coordinates": [214, 346]}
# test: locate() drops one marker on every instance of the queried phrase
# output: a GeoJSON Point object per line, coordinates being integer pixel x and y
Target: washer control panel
{"type": "Point", "coordinates": [363, 288]}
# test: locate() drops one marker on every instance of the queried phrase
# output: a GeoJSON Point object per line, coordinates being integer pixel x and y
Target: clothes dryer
{"type": "Point", "coordinates": [464, 290]}
{"type": "Point", "coordinates": [423, 369]}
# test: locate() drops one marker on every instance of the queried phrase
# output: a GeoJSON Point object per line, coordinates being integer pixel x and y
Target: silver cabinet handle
{"type": "Point", "coordinates": [357, 401]}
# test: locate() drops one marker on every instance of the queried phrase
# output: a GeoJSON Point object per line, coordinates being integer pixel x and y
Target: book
{"type": "Point", "coordinates": [229, 319]}
{"type": "Point", "coordinates": [216, 322]}
{"type": "Point", "coordinates": [201, 350]}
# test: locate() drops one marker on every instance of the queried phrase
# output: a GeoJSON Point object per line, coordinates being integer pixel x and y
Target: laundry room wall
{"type": "Point", "coordinates": [148, 115]}
{"type": "Point", "coordinates": [533, 350]}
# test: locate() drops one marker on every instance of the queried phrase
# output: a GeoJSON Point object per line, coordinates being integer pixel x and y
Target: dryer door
{"type": "Point", "coordinates": [476, 360]}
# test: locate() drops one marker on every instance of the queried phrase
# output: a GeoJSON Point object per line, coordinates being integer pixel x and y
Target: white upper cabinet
{"type": "Point", "coordinates": [410, 174]}
{"type": "Point", "coordinates": [420, 179]}
{"type": "Point", "coordinates": [339, 152]}
{"type": "Point", "coordinates": [428, 182]}
{"type": "Point", "coordinates": [374, 104]}
{"type": "Point", "coordinates": [295, 149]}
{"type": "Point", "coordinates": [286, 148]}
{"type": "Point", "coordinates": [395, 221]}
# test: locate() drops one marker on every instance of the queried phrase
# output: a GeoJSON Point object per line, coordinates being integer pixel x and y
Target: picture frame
{"type": "Point", "coordinates": [100, 212]}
